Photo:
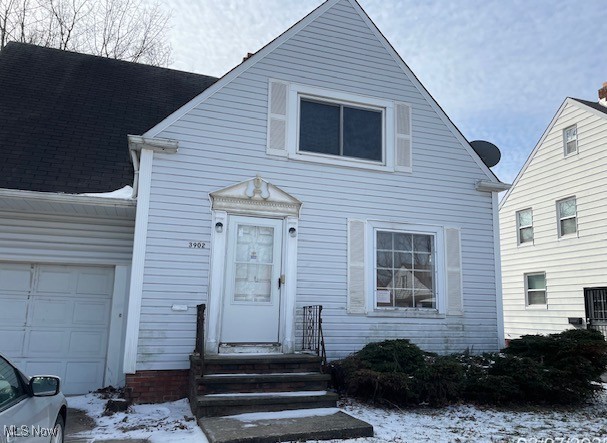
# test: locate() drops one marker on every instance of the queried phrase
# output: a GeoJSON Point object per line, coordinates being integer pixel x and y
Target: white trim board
{"type": "Point", "coordinates": [251, 61]}
{"type": "Point", "coordinates": [131, 338]}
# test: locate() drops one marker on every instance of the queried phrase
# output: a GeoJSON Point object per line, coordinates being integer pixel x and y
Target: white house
{"type": "Point", "coordinates": [552, 223]}
{"type": "Point", "coordinates": [319, 171]}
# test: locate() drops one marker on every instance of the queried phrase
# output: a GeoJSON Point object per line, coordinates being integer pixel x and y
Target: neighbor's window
{"type": "Point", "coordinates": [342, 130]}
{"type": "Point", "coordinates": [570, 140]}
{"type": "Point", "coordinates": [567, 216]}
{"type": "Point", "coordinates": [535, 287]}
{"type": "Point", "coordinates": [524, 224]}
{"type": "Point", "coordinates": [404, 270]}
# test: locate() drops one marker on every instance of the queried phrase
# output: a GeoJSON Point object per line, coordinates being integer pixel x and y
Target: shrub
{"type": "Point", "coordinates": [556, 369]}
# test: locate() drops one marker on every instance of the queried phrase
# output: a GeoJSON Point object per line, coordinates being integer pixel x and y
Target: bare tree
{"type": "Point", "coordinates": [124, 29]}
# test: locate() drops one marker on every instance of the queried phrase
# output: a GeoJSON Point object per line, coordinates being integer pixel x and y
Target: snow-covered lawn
{"type": "Point", "coordinates": [173, 422]}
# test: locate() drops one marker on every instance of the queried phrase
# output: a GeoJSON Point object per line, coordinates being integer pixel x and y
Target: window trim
{"type": "Point", "coordinates": [439, 270]}
{"type": "Point", "coordinates": [567, 154]}
{"type": "Point", "coordinates": [296, 92]}
{"type": "Point", "coordinates": [519, 227]}
{"type": "Point", "coordinates": [559, 219]}
{"type": "Point", "coordinates": [526, 282]}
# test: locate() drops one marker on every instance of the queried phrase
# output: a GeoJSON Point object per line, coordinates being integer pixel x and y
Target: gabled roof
{"type": "Point", "coordinates": [251, 61]}
{"type": "Point", "coordinates": [65, 116]}
{"type": "Point", "coordinates": [594, 107]}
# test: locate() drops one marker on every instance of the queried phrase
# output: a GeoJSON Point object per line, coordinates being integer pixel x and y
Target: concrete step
{"type": "Point", "coordinates": [271, 382]}
{"type": "Point", "coordinates": [257, 363]}
{"type": "Point", "coordinates": [213, 405]}
{"type": "Point", "coordinates": [281, 426]}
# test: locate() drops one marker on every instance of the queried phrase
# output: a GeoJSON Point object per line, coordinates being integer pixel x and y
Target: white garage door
{"type": "Point", "coordinates": [55, 320]}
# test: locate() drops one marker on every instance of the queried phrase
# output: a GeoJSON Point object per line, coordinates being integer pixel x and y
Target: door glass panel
{"type": "Point", "coordinates": [254, 264]}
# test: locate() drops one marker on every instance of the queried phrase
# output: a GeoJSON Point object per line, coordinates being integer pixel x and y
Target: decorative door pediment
{"type": "Point", "coordinates": [255, 197]}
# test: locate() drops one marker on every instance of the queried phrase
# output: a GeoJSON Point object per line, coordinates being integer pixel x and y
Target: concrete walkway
{"type": "Point", "coordinates": [233, 429]}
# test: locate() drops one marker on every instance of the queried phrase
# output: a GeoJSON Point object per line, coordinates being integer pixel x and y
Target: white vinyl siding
{"type": "Point", "coordinates": [570, 263]}
{"type": "Point", "coordinates": [336, 52]}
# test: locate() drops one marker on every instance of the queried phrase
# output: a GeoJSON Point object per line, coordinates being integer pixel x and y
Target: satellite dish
{"type": "Point", "coordinates": [488, 152]}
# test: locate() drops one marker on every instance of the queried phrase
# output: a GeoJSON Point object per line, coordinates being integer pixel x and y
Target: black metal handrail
{"type": "Point", "coordinates": [313, 338]}
{"type": "Point", "coordinates": [199, 347]}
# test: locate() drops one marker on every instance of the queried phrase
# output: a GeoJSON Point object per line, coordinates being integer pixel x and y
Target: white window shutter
{"type": "Point", "coordinates": [356, 267]}
{"type": "Point", "coordinates": [454, 272]}
{"type": "Point", "coordinates": [277, 118]}
{"type": "Point", "coordinates": [402, 144]}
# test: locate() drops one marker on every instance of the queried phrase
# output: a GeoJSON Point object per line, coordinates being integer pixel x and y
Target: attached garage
{"type": "Point", "coordinates": [56, 320]}
{"type": "Point", "coordinates": [64, 290]}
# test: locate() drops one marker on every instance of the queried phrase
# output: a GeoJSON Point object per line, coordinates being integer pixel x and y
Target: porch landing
{"type": "Point", "coordinates": [279, 426]}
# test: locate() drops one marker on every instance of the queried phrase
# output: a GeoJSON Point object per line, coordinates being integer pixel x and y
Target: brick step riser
{"type": "Point", "coordinates": [281, 386]}
{"type": "Point", "coordinates": [273, 368]}
{"type": "Point", "coordinates": [217, 410]}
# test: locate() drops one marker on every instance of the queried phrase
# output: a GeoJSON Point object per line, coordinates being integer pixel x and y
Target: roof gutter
{"type": "Point", "coordinates": [487, 186]}
{"type": "Point", "coordinates": [137, 143]}
{"type": "Point", "coordinates": [59, 197]}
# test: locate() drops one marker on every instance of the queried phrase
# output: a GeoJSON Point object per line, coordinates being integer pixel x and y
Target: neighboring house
{"type": "Point", "coordinates": [317, 172]}
{"type": "Point", "coordinates": [552, 221]}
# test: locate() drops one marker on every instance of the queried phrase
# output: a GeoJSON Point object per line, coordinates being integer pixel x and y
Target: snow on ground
{"type": "Point", "coordinates": [464, 423]}
{"type": "Point", "coordinates": [173, 422]}
{"type": "Point", "coordinates": [160, 423]}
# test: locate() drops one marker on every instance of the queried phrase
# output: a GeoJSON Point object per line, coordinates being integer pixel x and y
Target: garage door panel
{"type": "Point", "coordinates": [15, 277]}
{"type": "Point", "coordinates": [94, 283]}
{"type": "Point", "coordinates": [45, 342]}
{"type": "Point", "coordinates": [13, 310]}
{"type": "Point", "coordinates": [83, 376]}
{"type": "Point", "coordinates": [44, 367]}
{"type": "Point", "coordinates": [87, 343]}
{"type": "Point", "coordinates": [55, 280]}
{"type": "Point", "coordinates": [91, 313]}
{"type": "Point", "coordinates": [50, 312]}
{"type": "Point", "coordinates": [12, 342]}
{"type": "Point", "coordinates": [55, 320]}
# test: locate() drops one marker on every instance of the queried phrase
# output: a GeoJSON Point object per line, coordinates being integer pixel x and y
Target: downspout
{"type": "Point", "coordinates": [136, 172]}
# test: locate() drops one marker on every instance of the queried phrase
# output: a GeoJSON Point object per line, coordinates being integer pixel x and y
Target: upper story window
{"type": "Point", "coordinates": [405, 274]}
{"type": "Point", "coordinates": [567, 216]}
{"type": "Point", "coordinates": [332, 128]}
{"type": "Point", "coordinates": [535, 288]}
{"type": "Point", "coordinates": [524, 225]}
{"type": "Point", "coordinates": [570, 140]}
{"type": "Point", "coordinates": [339, 128]}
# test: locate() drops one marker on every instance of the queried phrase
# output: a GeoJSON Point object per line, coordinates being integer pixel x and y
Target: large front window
{"type": "Point", "coordinates": [333, 128]}
{"type": "Point", "coordinates": [404, 270]}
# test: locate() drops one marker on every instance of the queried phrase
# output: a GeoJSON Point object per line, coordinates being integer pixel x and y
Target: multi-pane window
{"type": "Point", "coordinates": [342, 130]}
{"type": "Point", "coordinates": [524, 225]}
{"type": "Point", "coordinates": [570, 140]}
{"type": "Point", "coordinates": [404, 270]}
{"type": "Point", "coordinates": [535, 287]}
{"type": "Point", "coordinates": [567, 216]}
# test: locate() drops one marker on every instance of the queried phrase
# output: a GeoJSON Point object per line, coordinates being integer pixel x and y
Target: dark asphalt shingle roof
{"type": "Point", "coordinates": [594, 105]}
{"type": "Point", "coordinates": [65, 116]}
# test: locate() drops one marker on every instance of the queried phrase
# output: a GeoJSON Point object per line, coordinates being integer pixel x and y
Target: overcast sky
{"type": "Point", "coordinates": [500, 68]}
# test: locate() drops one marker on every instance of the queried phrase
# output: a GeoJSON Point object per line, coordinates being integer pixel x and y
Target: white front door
{"type": "Point", "coordinates": [251, 300]}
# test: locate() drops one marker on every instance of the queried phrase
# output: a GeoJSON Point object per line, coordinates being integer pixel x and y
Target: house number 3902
{"type": "Point", "coordinates": [196, 244]}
